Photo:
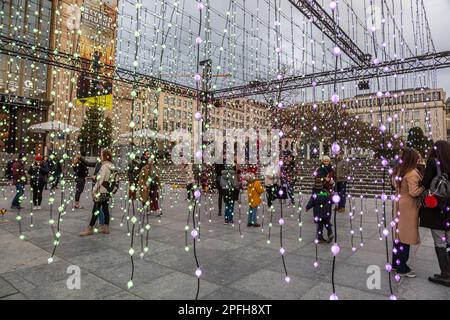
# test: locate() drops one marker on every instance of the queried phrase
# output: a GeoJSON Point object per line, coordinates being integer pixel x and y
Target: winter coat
{"type": "Point", "coordinates": [406, 208]}
{"type": "Point", "coordinates": [341, 171]}
{"type": "Point", "coordinates": [271, 175]}
{"type": "Point", "coordinates": [255, 190]}
{"type": "Point", "coordinates": [229, 184]}
{"type": "Point", "coordinates": [288, 172]}
{"type": "Point", "coordinates": [18, 173]}
{"type": "Point", "coordinates": [80, 169]}
{"type": "Point", "coordinates": [320, 202]}
{"type": "Point", "coordinates": [134, 167]}
{"type": "Point", "coordinates": [322, 173]}
{"type": "Point", "coordinates": [148, 186]}
{"type": "Point", "coordinates": [37, 174]}
{"type": "Point", "coordinates": [103, 176]}
{"type": "Point", "coordinates": [432, 218]}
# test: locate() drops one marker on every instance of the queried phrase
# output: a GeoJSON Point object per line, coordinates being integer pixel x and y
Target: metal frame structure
{"type": "Point", "coordinates": [426, 62]}
{"type": "Point", "coordinates": [322, 20]}
{"type": "Point", "coordinates": [17, 48]}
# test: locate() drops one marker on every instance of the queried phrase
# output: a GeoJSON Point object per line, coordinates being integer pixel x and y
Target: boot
{"type": "Point", "coordinates": [330, 235]}
{"type": "Point", "coordinates": [105, 229]}
{"type": "Point", "coordinates": [88, 232]}
{"type": "Point", "coordinates": [444, 265]}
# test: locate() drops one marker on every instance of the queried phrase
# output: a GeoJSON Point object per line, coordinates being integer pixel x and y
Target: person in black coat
{"type": "Point", "coordinates": [320, 202]}
{"type": "Point", "coordinates": [37, 172]}
{"type": "Point", "coordinates": [81, 172]}
{"type": "Point", "coordinates": [438, 219]}
{"type": "Point", "coordinates": [218, 168]}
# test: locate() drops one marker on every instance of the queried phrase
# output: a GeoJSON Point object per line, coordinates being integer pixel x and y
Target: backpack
{"type": "Point", "coordinates": [9, 170]}
{"type": "Point", "coordinates": [112, 185]}
{"type": "Point", "coordinates": [438, 195]}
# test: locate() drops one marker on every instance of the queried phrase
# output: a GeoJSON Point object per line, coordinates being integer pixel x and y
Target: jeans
{"type": "Point", "coordinates": [229, 210]}
{"type": "Point", "coordinates": [80, 182]}
{"type": "Point", "coordinates": [290, 191]}
{"type": "Point", "coordinates": [252, 215]}
{"type": "Point", "coordinates": [270, 195]}
{"type": "Point", "coordinates": [400, 257]}
{"type": "Point", "coordinates": [324, 222]}
{"type": "Point", "coordinates": [441, 238]}
{"type": "Point", "coordinates": [19, 193]}
{"type": "Point", "coordinates": [37, 193]}
{"type": "Point", "coordinates": [220, 200]}
{"type": "Point", "coordinates": [342, 190]}
{"type": "Point", "coordinates": [98, 208]}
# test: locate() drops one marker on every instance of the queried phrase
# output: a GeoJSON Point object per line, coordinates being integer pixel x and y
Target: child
{"type": "Point", "coordinates": [255, 190]}
{"type": "Point", "coordinates": [321, 202]}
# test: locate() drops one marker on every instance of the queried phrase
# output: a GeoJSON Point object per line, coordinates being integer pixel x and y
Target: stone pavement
{"type": "Point", "coordinates": [234, 266]}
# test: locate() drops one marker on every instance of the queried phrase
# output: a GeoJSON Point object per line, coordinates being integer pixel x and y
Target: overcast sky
{"type": "Point", "coordinates": [249, 55]}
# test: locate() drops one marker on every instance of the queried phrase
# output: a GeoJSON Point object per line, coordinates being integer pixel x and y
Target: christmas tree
{"type": "Point", "coordinates": [95, 132]}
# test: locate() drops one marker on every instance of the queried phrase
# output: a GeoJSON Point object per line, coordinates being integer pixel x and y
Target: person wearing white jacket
{"type": "Point", "coordinates": [271, 180]}
{"type": "Point", "coordinates": [101, 196]}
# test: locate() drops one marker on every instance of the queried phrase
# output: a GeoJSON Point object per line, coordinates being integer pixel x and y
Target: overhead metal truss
{"type": "Point", "coordinates": [24, 50]}
{"type": "Point", "coordinates": [423, 63]}
{"type": "Point", "coordinates": [30, 52]}
{"type": "Point", "coordinates": [322, 20]}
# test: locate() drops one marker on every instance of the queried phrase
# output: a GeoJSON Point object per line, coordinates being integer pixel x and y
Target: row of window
{"type": "Point", "coordinates": [172, 101]}
{"type": "Point", "coordinates": [401, 99]}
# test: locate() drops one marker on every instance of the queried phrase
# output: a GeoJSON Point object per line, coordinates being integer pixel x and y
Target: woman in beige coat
{"type": "Point", "coordinates": [149, 187]}
{"type": "Point", "coordinates": [407, 184]}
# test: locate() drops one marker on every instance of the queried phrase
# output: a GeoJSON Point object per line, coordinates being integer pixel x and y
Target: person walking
{"type": "Point", "coordinates": [254, 189]}
{"type": "Point", "coordinates": [406, 179]}
{"type": "Point", "coordinates": [46, 163]}
{"type": "Point", "coordinates": [288, 176]}
{"type": "Point", "coordinates": [341, 173]}
{"type": "Point", "coordinates": [320, 202]}
{"type": "Point", "coordinates": [55, 171]}
{"type": "Point", "coordinates": [229, 183]}
{"type": "Point", "coordinates": [19, 179]}
{"type": "Point", "coordinates": [149, 187]}
{"type": "Point", "coordinates": [81, 172]}
{"type": "Point", "coordinates": [37, 172]}
{"type": "Point", "coordinates": [100, 195]}
{"type": "Point", "coordinates": [271, 183]}
{"type": "Point", "coordinates": [190, 181]}
{"type": "Point", "coordinates": [218, 168]}
{"type": "Point", "coordinates": [437, 219]}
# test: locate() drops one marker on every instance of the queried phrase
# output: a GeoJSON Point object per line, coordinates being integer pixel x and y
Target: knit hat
{"type": "Point", "coordinates": [38, 157]}
{"type": "Point", "coordinates": [326, 158]}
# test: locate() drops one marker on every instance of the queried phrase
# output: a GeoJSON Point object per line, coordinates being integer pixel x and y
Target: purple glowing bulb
{"type": "Point", "coordinates": [197, 193]}
{"type": "Point", "coordinates": [384, 162]}
{"type": "Point", "coordinates": [336, 198]}
{"type": "Point", "coordinates": [316, 264]}
{"type": "Point", "coordinates": [334, 297]}
{"type": "Point", "coordinates": [198, 273]}
{"type": "Point", "coordinates": [382, 128]}
{"type": "Point", "coordinates": [198, 154]}
{"type": "Point", "coordinates": [397, 277]}
{"type": "Point", "coordinates": [281, 221]}
{"type": "Point", "coordinates": [335, 249]}
{"type": "Point", "coordinates": [197, 77]}
{"type": "Point", "coordinates": [194, 233]}
{"type": "Point", "coordinates": [200, 6]}
{"type": "Point", "coordinates": [336, 148]}
{"type": "Point", "coordinates": [282, 251]}
{"type": "Point", "coordinates": [198, 116]}
{"type": "Point", "coordinates": [335, 98]}
{"type": "Point", "coordinates": [376, 61]}
{"type": "Point", "coordinates": [393, 297]}
{"type": "Point", "coordinates": [337, 51]}
{"type": "Point", "coordinates": [287, 279]}
{"type": "Point", "coordinates": [333, 5]}
{"type": "Point", "coordinates": [198, 40]}
{"type": "Point", "coordinates": [385, 232]}
{"type": "Point", "coordinates": [388, 267]}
